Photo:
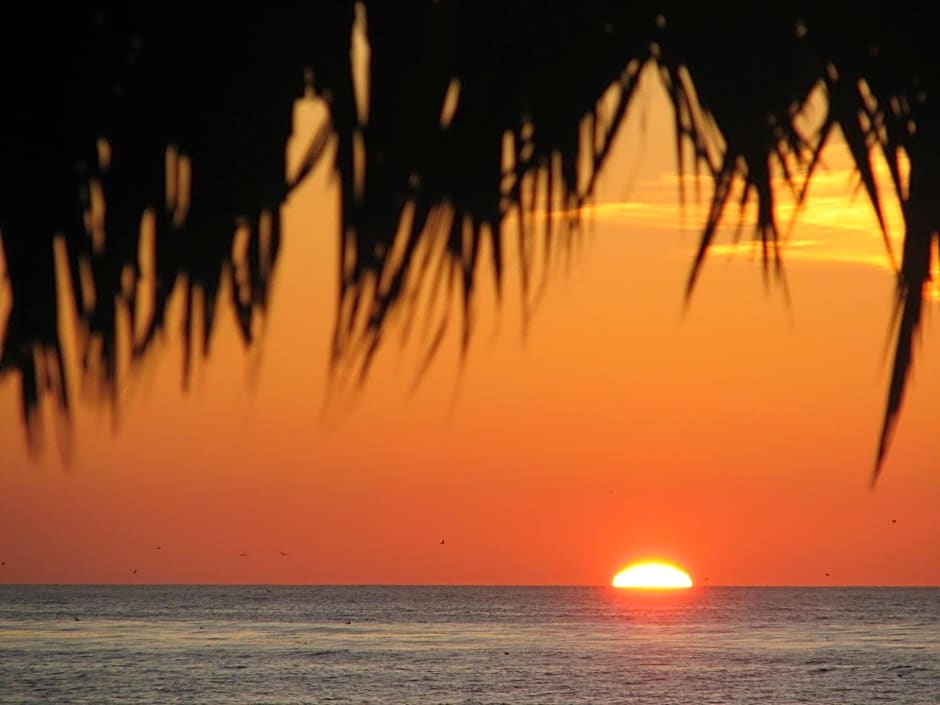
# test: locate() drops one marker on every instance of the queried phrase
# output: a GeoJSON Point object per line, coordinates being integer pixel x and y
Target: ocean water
{"type": "Point", "coordinates": [415, 645]}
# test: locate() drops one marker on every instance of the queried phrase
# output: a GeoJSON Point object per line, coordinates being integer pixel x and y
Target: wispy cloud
{"type": "Point", "coordinates": [835, 223]}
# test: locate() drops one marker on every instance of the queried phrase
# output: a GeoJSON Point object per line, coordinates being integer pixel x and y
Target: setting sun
{"type": "Point", "coordinates": [652, 575]}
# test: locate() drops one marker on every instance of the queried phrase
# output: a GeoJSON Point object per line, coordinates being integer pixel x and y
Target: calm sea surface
{"type": "Point", "coordinates": [182, 644]}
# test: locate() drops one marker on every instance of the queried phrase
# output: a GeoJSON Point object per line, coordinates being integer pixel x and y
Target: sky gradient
{"type": "Point", "coordinates": [734, 436]}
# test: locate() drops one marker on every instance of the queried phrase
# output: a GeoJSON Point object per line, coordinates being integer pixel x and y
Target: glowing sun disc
{"type": "Point", "coordinates": [652, 575]}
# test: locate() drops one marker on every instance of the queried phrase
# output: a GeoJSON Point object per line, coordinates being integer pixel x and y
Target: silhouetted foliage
{"type": "Point", "coordinates": [151, 137]}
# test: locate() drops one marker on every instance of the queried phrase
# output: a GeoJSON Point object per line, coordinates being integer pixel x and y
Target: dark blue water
{"type": "Point", "coordinates": [184, 644]}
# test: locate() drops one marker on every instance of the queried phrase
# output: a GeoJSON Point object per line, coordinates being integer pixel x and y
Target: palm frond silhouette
{"type": "Point", "coordinates": [149, 143]}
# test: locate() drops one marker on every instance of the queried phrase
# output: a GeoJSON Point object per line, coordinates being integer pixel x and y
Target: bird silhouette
{"type": "Point", "coordinates": [242, 555]}
{"type": "Point", "coordinates": [134, 571]}
{"type": "Point", "coordinates": [442, 541]}
{"type": "Point", "coordinates": [283, 554]}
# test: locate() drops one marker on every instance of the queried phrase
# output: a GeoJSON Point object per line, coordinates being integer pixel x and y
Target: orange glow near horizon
{"type": "Point", "coordinates": [734, 433]}
{"type": "Point", "coordinates": [652, 575]}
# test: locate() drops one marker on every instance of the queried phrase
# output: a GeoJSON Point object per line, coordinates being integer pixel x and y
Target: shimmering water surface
{"type": "Point", "coordinates": [255, 644]}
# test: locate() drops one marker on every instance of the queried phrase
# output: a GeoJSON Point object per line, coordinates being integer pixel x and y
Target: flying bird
{"type": "Point", "coordinates": [134, 571]}
{"type": "Point", "coordinates": [442, 541]}
{"type": "Point", "coordinates": [283, 554]}
{"type": "Point", "coordinates": [242, 555]}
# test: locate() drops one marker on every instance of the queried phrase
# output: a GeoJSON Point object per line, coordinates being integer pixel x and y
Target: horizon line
{"type": "Point", "coordinates": [473, 585]}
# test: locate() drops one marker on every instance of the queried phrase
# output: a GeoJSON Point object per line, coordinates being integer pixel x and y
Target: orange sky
{"type": "Point", "coordinates": [735, 438]}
